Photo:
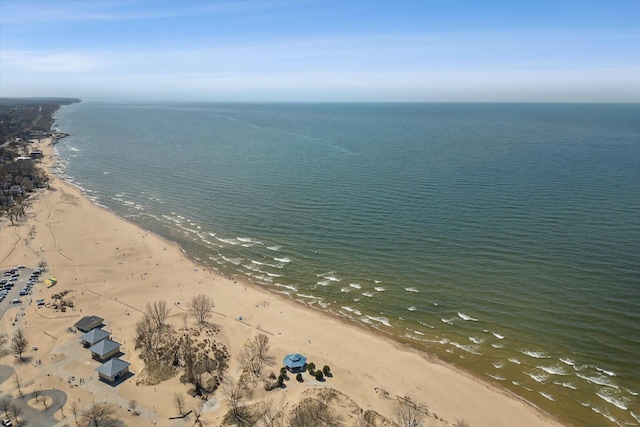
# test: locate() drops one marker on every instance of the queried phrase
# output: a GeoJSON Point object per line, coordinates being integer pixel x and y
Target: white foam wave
{"type": "Point", "coordinates": [500, 337]}
{"type": "Point", "coordinates": [332, 278]}
{"type": "Point", "coordinates": [497, 345]}
{"type": "Point", "coordinates": [599, 380]}
{"type": "Point", "coordinates": [476, 340]}
{"type": "Point", "coordinates": [514, 360]}
{"type": "Point", "coordinates": [520, 385]}
{"type": "Point", "coordinates": [541, 378]}
{"type": "Point", "coordinates": [566, 384]}
{"type": "Point", "coordinates": [604, 371]}
{"type": "Point", "coordinates": [273, 274]}
{"type": "Point", "coordinates": [290, 287]}
{"type": "Point", "coordinates": [379, 289]}
{"type": "Point", "coordinates": [418, 332]}
{"type": "Point", "coordinates": [427, 325]}
{"type": "Point", "coordinates": [274, 248]}
{"type": "Point", "coordinates": [236, 261]}
{"type": "Point", "coordinates": [367, 294]}
{"type": "Point", "coordinates": [637, 418]}
{"type": "Point", "coordinates": [498, 365]}
{"type": "Point", "coordinates": [547, 395]}
{"type": "Point", "coordinates": [411, 290]}
{"type": "Point", "coordinates": [412, 308]}
{"type": "Point", "coordinates": [257, 262]}
{"type": "Point", "coordinates": [604, 414]}
{"type": "Point", "coordinates": [227, 241]}
{"type": "Point", "coordinates": [345, 290]}
{"type": "Point", "coordinates": [553, 370]}
{"type": "Point", "coordinates": [284, 259]}
{"type": "Point", "coordinates": [465, 317]}
{"type": "Point", "coordinates": [352, 310]}
{"type": "Point", "coordinates": [379, 319]}
{"type": "Point", "coordinates": [323, 283]}
{"type": "Point", "coordinates": [468, 348]}
{"type": "Point", "coordinates": [355, 285]}
{"type": "Point", "coordinates": [447, 321]}
{"type": "Point", "coordinates": [249, 240]}
{"type": "Point", "coordinates": [308, 296]}
{"type": "Point", "coordinates": [535, 354]}
{"type": "Point", "coordinates": [610, 398]}
{"type": "Point", "coordinates": [568, 361]}
{"type": "Point", "coordinates": [496, 377]}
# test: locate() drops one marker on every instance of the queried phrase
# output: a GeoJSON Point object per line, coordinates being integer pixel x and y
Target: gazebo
{"type": "Point", "coordinates": [295, 362]}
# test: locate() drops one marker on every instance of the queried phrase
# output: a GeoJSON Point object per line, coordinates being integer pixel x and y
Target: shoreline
{"type": "Point", "coordinates": [491, 405]}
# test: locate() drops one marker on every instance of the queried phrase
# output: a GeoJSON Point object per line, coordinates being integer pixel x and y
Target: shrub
{"type": "Point", "coordinates": [311, 367]}
{"type": "Point", "coordinates": [319, 376]}
{"type": "Point", "coordinates": [272, 376]}
{"type": "Point", "coordinates": [299, 378]}
{"type": "Point", "coordinates": [326, 370]}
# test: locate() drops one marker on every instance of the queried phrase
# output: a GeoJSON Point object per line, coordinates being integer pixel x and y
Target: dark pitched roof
{"type": "Point", "coordinates": [104, 347]}
{"type": "Point", "coordinates": [88, 322]}
{"type": "Point", "coordinates": [113, 367]}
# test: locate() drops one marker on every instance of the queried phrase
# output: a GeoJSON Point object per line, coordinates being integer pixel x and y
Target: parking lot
{"type": "Point", "coordinates": [16, 284]}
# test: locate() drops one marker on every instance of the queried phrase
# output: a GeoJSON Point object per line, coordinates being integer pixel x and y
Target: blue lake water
{"type": "Point", "coordinates": [504, 238]}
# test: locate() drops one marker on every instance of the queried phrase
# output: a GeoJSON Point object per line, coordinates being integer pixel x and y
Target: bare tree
{"type": "Point", "coordinates": [178, 400]}
{"type": "Point", "coordinates": [158, 312]}
{"type": "Point", "coordinates": [98, 415]}
{"type": "Point", "coordinates": [17, 381]}
{"type": "Point", "coordinates": [407, 412]}
{"type": "Point", "coordinates": [5, 404]}
{"type": "Point", "coordinates": [233, 393]}
{"type": "Point", "coordinates": [200, 308]}
{"type": "Point", "coordinates": [148, 337]}
{"type": "Point", "coordinates": [14, 412]}
{"type": "Point", "coordinates": [74, 410]}
{"type": "Point", "coordinates": [255, 355]}
{"type": "Point", "coordinates": [269, 416]}
{"type": "Point", "coordinates": [19, 343]}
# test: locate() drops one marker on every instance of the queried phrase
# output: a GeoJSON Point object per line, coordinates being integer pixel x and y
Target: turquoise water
{"type": "Point", "coordinates": [504, 238]}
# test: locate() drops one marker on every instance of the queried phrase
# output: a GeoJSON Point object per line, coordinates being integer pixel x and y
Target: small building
{"type": "Point", "coordinates": [295, 362]}
{"type": "Point", "coordinates": [113, 370]}
{"type": "Point", "coordinates": [35, 154]}
{"type": "Point", "coordinates": [104, 349]}
{"type": "Point", "coordinates": [88, 323]}
{"type": "Point", "coordinates": [94, 336]}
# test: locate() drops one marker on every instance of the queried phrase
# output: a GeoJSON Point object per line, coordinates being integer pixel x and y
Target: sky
{"type": "Point", "coordinates": [322, 51]}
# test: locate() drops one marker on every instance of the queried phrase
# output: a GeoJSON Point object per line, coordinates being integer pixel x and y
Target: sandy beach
{"type": "Point", "coordinates": [114, 268]}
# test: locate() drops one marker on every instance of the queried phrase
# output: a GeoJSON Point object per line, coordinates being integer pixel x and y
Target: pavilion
{"type": "Point", "coordinates": [295, 362]}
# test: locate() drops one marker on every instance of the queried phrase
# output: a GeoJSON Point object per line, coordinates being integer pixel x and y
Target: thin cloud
{"type": "Point", "coordinates": [51, 62]}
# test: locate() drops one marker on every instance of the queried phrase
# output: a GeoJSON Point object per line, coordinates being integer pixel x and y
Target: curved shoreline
{"type": "Point", "coordinates": [398, 344]}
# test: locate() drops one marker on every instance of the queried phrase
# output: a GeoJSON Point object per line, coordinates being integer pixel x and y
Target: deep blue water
{"type": "Point", "coordinates": [502, 237]}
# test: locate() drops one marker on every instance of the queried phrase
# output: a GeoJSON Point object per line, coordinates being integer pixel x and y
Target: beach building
{"type": "Point", "coordinates": [104, 349]}
{"type": "Point", "coordinates": [94, 336]}
{"type": "Point", "coordinates": [88, 323]}
{"type": "Point", "coordinates": [113, 370]}
{"type": "Point", "coordinates": [295, 362]}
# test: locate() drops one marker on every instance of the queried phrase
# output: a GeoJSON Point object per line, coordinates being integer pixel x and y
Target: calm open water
{"type": "Point", "coordinates": [504, 238]}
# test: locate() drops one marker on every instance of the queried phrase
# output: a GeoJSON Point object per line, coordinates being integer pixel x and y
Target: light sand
{"type": "Point", "coordinates": [114, 268]}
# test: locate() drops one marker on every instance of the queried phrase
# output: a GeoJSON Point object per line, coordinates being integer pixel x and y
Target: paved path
{"type": "Point", "coordinates": [5, 372]}
{"type": "Point", "coordinates": [41, 417]}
